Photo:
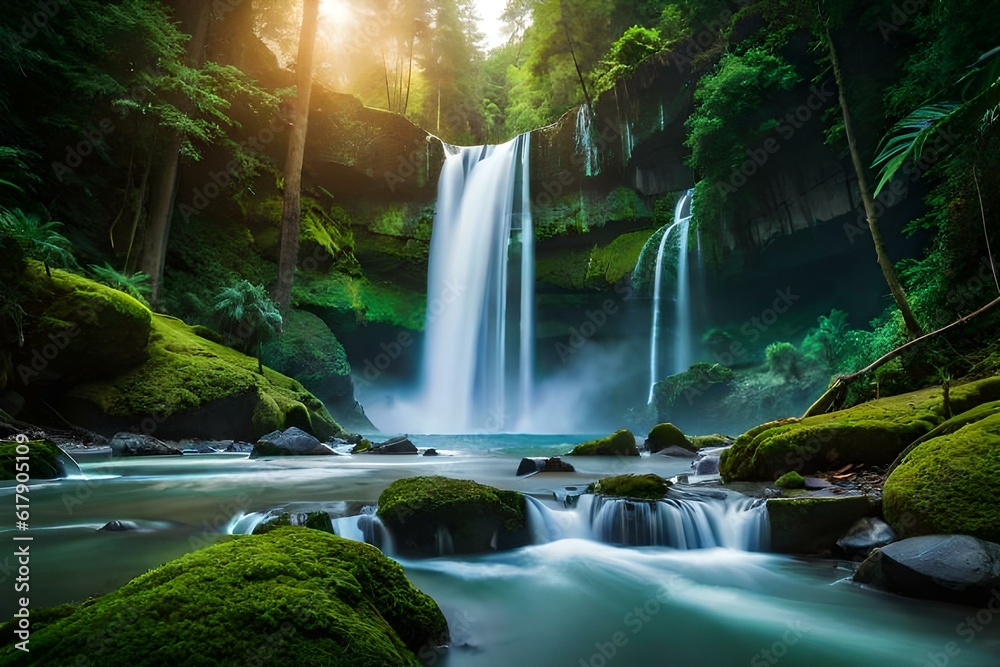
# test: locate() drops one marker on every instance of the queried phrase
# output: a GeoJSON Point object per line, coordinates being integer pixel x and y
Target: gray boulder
{"type": "Point", "coordinates": [120, 527]}
{"type": "Point", "coordinates": [395, 446]}
{"type": "Point", "coordinates": [292, 442]}
{"type": "Point", "coordinates": [866, 535]}
{"type": "Point", "coordinates": [137, 444]}
{"type": "Point", "coordinates": [676, 452]}
{"type": "Point", "coordinates": [950, 568]}
{"type": "Point", "coordinates": [530, 466]}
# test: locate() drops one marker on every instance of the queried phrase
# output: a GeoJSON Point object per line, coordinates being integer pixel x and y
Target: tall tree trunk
{"type": "Point", "coordinates": [291, 214]}
{"type": "Point", "coordinates": [884, 261]}
{"type": "Point", "coordinates": [409, 77]}
{"type": "Point", "coordinates": [572, 51]}
{"type": "Point", "coordinates": [164, 178]}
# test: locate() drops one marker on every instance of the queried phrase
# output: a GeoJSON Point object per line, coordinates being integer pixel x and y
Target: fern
{"type": "Point", "coordinates": [36, 239]}
{"type": "Point", "coordinates": [137, 285]}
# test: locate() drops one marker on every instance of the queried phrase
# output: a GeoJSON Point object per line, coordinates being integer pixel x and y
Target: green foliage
{"type": "Point", "coordinates": [322, 599]}
{"type": "Point", "coordinates": [247, 315]}
{"type": "Point", "coordinates": [828, 342]}
{"type": "Point", "coordinates": [784, 361]}
{"type": "Point", "coordinates": [631, 49]}
{"type": "Point", "coordinates": [36, 239]}
{"type": "Point", "coordinates": [136, 286]}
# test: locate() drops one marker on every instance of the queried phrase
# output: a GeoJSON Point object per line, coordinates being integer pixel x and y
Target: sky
{"type": "Point", "coordinates": [489, 23]}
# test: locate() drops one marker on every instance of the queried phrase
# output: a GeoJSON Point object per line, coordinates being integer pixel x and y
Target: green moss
{"type": "Point", "coordinates": [366, 301]}
{"type": "Point", "coordinates": [309, 352]}
{"type": "Point", "coordinates": [645, 487]}
{"type": "Point", "coordinates": [185, 372]}
{"type": "Point", "coordinates": [663, 436]}
{"type": "Point", "coordinates": [362, 447]}
{"type": "Point", "coordinates": [312, 598]}
{"type": "Point", "coordinates": [608, 265]}
{"type": "Point", "coordinates": [315, 520]}
{"type": "Point", "coordinates": [96, 330]}
{"type": "Point", "coordinates": [791, 480]}
{"type": "Point", "coordinates": [710, 441]}
{"type": "Point", "coordinates": [45, 460]}
{"type": "Point", "coordinates": [625, 204]}
{"type": "Point", "coordinates": [949, 483]}
{"type": "Point", "coordinates": [873, 433]}
{"type": "Point", "coordinates": [690, 384]}
{"type": "Point", "coordinates": [442, 495]}
{"type": "Point", "coordinates": [621, 443]}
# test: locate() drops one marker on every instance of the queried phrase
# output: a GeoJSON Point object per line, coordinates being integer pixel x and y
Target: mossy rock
{"type": "Point", "coordinates": [663, 436]}
{"type": "Point", "coordinates": [640, 487]}
{"type": "Point", "coordinates": [312, 598]}
{"type": "Point", "coordinates": [791, 480]}
{"type": "Point", "coordinates": [950, 484]}
{"type": "Point", "coordinates": [315, 520]}
{"type": "Point", "coordinates": [191, 387]}
{"type": "Point", "coordinates": [45, 461]}
{"type": "Point", "coordinates": [813, 525]}
{"type": "Point", "coordinates": [873, 433]}
{"type": "Point", "coordinates": [78, 330]}
{"type": "Point", "coordinates": [621, 443]}
{"type": "Point", "coordinates": [419, 511]}
{"type": "Point", "coordinates": [710, 441]}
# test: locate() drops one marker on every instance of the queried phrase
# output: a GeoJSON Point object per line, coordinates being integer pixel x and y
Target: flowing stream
{"type": "Point", "coordinates": [575, 597]}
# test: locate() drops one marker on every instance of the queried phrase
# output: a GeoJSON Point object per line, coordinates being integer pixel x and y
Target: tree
{"type": "Point", "coordinates": [248, 317]}
{"type": "Point", "coordinates": [291, 214]}
{"type": "Point", "coordinates": [164, 176]}
{"type": "Point", "coordinates": [881, 252]}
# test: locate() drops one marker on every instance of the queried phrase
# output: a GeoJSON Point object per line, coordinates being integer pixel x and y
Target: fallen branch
{"type": "Point", "coordinates": [841, 383]}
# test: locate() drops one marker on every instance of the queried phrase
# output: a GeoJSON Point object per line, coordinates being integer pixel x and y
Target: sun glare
{"type": "Point", "coordinates": [337, 11]}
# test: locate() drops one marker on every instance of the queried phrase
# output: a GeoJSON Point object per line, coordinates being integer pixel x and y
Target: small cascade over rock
{"type": "Point", "coordinates": [586, 147]}
{"type": "Point", "coordinates": [685, 519]}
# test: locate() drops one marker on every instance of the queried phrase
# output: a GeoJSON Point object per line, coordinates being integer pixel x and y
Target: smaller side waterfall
{"type": "Point", "coordinates": [586, 147]}
{"type": "Point", "coordinates": [682, 348]}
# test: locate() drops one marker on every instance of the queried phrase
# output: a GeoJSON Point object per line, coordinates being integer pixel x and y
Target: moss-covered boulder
{"type": "Point", "coordinates": [303, 595]}
{"type": "Point", "coordinates": [44, 461]}
{"type": "Point", "coordinates": [309, 352]}
{"type": "Point", "coordinates": [664, 436]}
{"type": "Point", "coordinates": [431, 516]}
{"type": "Point", "coordinates": [621, 443]}
{"type": "Point", "coordinates": [640, 487]}
{"type": "Point", "coordinates": [191, 387]}
{"type": "Point", "coordinates": [791, 480]}
{"type": "Point", "coordinates": [813, 525]}
{"type": "Point", "coordinates": [700, 442]}
{"type": "Point", "coordinates": [870, 434]}
{"type": "Point", "coordinates": [77, 330]}
{"type": "Point", "coordinates": [950, 484]}
{"type": "Point", "coordinates": [314, 520]}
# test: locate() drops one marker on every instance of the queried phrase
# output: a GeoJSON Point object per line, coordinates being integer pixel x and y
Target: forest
{"type": "Point", "coordinates": [281, 278]}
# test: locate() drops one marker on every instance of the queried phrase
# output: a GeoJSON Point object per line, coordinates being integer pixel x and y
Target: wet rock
{"type": "Point", "coordinates": [120, 527]}
{"type": "Point", "coordinates": [395, 446]}
{"type": "Point", "coordinates": [706, 461]}
{"type": "Point", "coordinates": [529, 466]}
{"type": "Point", "coordinates": [137, 444]}
{"type": "Point", "coordinates": [813, 525]}
{"type": "Point", "coordinates": [431, 452]}
{"type": "Point", "coordinates": [292, 442]}
{"type": "Point", "coordinates": [240, 447]}
{"type": "Point", "coordinates": [950, 568]}
{"type": "Point", "coordinates": [866, 535]}
{"type": "Point", "coordinates": [816, 484]}
{"type": "Point", "coordinates": [676, 452]}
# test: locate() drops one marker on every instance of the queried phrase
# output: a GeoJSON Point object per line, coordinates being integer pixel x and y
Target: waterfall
{"type": "Point", "coordinates": [684, 520]}
{"type": "Point", "coordinates": [483, 199]}
{"type": "Point", "coordinates": [586, 147]}
{"type": "Point", "coordinates": [682, 352]}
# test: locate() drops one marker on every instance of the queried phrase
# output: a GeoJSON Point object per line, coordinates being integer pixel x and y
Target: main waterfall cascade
{"type": "Point", "coordinates": [483, 213]}
{"type": "Point", "coordinates": [682, 353]}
